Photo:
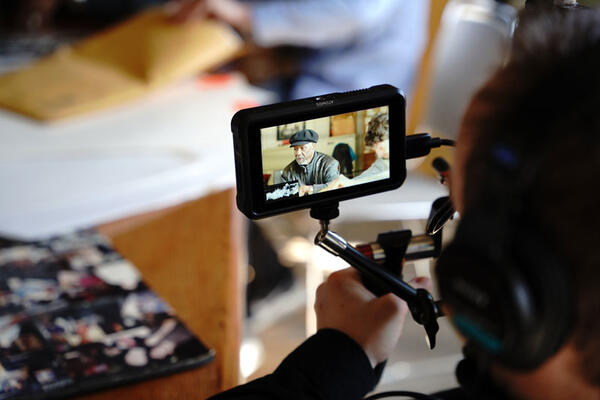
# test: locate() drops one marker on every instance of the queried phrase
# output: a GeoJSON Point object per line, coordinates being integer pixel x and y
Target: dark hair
{"type": "Point", "coordinates": [378, 129]}
{"type": "Point", "coordinates": [546, 102]}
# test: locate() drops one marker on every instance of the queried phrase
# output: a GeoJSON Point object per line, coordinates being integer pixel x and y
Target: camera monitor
{"type": "Point", "coordinates": [319, 151]}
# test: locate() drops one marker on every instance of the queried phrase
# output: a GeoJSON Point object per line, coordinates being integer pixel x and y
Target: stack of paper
{"type": "Point", "coordinates": [122, 63]}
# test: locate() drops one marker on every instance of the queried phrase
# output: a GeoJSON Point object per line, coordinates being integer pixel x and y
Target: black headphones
{"type": "Point", "coordinates": [500, 278]}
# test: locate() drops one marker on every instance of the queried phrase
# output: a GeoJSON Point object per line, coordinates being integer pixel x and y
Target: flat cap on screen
{"type": "Point", "coordinates": [304, 136]}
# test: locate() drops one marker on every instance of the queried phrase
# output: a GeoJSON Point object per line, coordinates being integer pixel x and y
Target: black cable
{"type": "Point", "coordinates": [420, 144]}
{"type": "Point", "coordinates": [402, 393]}
{"type": "Point", "coordinates": [448, 142]}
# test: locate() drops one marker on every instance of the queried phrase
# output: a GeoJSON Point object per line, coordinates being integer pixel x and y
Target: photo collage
{"type": "Point", "coordinates": [75, 316]}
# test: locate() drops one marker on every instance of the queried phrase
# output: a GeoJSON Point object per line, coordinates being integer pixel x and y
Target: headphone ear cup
{"type": "Point", "coordinates": [481, 299]}
{"type": "Point", "coordinates": [547, 278]}
{"type": "Point", "coordinates": [502, 295]}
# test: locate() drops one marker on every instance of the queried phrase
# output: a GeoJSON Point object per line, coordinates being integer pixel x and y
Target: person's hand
{"type": "Point", "coordinates": [305, 189]}
{"type": "Point", "coordinates": [334, 184]}
{"type": "Point", "coordinates": [339, 182]}
{"type": "Point", "coordinates": [232, 12]}
{"type": "Point", "coordinates": [375, 323]}
{"type": "Point", "coordinates": [259, 64]}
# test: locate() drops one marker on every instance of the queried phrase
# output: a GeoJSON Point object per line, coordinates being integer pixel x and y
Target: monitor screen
{"type": "Point", "coordinates": [325, 154]}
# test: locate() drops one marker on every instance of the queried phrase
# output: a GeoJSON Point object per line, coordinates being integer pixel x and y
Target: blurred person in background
{"type": "Point", "coordinates": [297, 48]}
{"type": "Point", "coordinates": [302, 48]}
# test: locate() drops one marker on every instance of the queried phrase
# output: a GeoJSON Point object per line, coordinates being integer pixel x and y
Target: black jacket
{"type": "Point", "coordinates": [327, 366]}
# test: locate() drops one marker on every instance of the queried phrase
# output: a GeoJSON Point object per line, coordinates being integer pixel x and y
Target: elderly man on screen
{"type": "Point", "coordinates": [313, 170]}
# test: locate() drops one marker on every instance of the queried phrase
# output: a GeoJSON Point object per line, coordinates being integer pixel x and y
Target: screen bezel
{"type": "Point", "coordinates": [396, 108]}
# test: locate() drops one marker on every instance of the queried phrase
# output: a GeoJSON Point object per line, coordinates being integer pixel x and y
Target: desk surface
{"type": "Point", "coordinates": [189, 255]}
{"type": "Point", "coordinates": [172, 146]}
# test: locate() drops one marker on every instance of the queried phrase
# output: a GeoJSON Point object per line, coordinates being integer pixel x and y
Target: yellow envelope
{"type": "Point", "coordinates": [117, 65]}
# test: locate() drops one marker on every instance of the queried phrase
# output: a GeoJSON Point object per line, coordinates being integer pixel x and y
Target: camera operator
{"type": "Point", "coordinates": [539, 115]}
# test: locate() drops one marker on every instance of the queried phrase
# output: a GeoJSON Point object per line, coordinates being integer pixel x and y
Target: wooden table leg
{"type": "Point", "coordinates": [190, 255]}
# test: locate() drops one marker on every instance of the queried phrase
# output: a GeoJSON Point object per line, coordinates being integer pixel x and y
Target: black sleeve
{"type": "Point", "coordinates": [327, 366]}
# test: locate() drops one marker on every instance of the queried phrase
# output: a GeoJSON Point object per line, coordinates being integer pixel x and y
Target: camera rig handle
{"type": "Point", "coordinates": [423, 308]}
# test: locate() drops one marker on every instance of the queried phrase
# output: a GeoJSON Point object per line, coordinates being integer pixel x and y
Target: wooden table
{"type": "Point", "coordinates": [190, 255]}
